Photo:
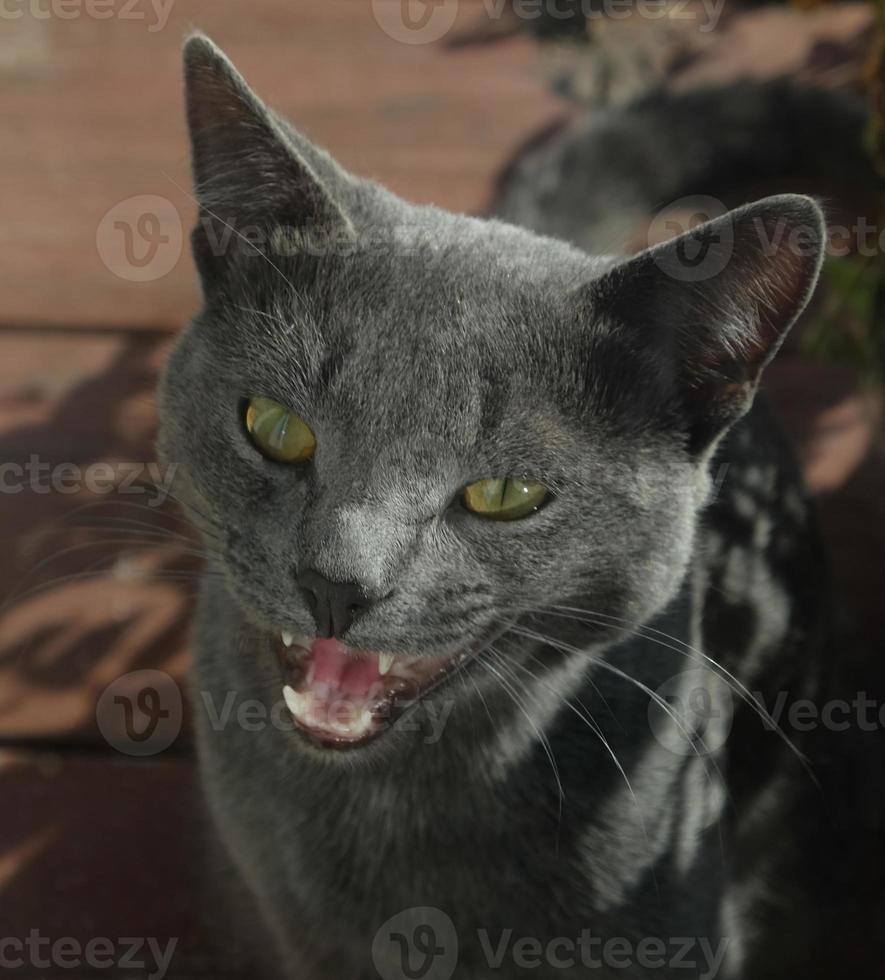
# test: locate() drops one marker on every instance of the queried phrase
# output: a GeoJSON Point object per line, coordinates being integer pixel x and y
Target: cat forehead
{"type": "Point", "coordinates": [399, 247]}
{"type": "Point", "coordinates": [483, 250]}
{"type": "Point", "coordinates": [469, 275]}
{"type": "Point", "coordinates": [379, 380]}
{"type": "Point", "coordinates": [421, 319]}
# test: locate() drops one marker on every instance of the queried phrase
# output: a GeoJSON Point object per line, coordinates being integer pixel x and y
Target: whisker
{"type": "Point", "coordinates": [601, 662]}
{"type": "Point", "coordinates": [541, 737]}
{"type": "Point", "coordinates": [18, 595]}
{"type": "Point", "coordinates": [591, 723]}
{"type": "Point", "coordinates": [650, 633]}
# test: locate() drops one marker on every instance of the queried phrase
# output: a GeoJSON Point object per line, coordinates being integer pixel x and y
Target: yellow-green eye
{"type": "Point", "coordinates": [504, 500]}
{"type": "Point", "coordinates": [279, 433]}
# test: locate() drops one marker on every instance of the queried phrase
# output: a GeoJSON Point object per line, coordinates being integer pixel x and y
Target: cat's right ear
{"type": "Point", "coordinates": [254, 187]}
{"type": "Point", "coordinates": [705, 312]}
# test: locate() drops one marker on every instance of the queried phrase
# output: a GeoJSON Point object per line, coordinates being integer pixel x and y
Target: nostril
{"type": "Point", "coordinates": [333, 605]}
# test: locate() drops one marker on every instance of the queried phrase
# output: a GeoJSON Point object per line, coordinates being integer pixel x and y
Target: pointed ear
{"type": "Point", "coordinates": [713, 305]}
{"type": "Point", "coordinates": [248, 175]}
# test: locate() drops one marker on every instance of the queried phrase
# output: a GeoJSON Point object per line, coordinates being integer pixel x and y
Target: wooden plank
{"type": "Point", "coordinates": [95, 585]}
{"type": "Point", "coordinates": [96, 579]}
{"type": "Point", "coordinates": [93, 114]}
{"type": "Point", "coordinates": [98, 849]}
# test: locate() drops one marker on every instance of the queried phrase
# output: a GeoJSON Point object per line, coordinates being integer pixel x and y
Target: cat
{"type": "Point", "coordinates": [722, 140]}
{"type": "Point", "coordinates": [502, 543]}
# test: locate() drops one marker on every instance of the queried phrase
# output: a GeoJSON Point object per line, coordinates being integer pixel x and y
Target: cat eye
{"type": "Point", "coordinates": [278, 433]}
{"type": "Point", "coordinates": [505, 500]}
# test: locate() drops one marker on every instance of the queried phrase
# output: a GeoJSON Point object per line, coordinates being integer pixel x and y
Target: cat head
{"type": "Point", "coordinates": [404, 431]}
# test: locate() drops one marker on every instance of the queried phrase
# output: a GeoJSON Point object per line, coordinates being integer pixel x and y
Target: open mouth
{"type": "Point", "coordinates": [341, 697]}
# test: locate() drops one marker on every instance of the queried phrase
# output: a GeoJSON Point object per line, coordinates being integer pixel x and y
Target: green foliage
{"type": "Point", "coordinates": [848, 329]}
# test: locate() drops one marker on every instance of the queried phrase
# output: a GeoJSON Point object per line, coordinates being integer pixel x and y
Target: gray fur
{"type": "Point", "coordinates": [428, 350]}
{"type": "Point", "coordinates": [593, 182]}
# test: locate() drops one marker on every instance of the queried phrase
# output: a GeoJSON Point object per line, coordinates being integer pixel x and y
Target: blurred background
{"type": "Point", "coordinates": [439, 101]}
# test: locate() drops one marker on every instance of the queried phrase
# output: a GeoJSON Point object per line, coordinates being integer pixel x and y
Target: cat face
{"type": "Point", "coordinates": [400, 355]}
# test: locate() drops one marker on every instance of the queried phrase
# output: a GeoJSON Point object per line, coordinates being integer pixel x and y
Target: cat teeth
{"type": "Point", "coordinates": [295, 702]}
{"type": "Point", "coordinates": [385, 662]}
{"type": "Point", "coordinates": [302, 705]}
{"type": "Point", "coordinates": [287, 638]}
{"type": "Point", "coordinates": [363, 724]}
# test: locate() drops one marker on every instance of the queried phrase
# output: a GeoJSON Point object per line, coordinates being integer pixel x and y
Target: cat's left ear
{"type": "Point", "coordinates": [253, 177]}
{"type": "Point", "coordinates": [710, 308]}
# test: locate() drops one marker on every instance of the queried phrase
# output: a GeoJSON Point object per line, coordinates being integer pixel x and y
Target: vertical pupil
{"type": "Point", "coordinates": [277, 434]}
{"type": "Point", "coordinates": [503, 501]}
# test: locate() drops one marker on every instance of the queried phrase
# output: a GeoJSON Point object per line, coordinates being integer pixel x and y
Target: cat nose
{"type": "Point", "coordinates": [334, 605]}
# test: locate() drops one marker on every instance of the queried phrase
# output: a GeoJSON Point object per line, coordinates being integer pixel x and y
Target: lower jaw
{"type": "Point", "coordinates": [340, 719]}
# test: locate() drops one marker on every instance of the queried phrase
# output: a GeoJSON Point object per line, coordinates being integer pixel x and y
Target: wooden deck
{"type": "Point", "coordinates": [93, 117]}
{"type": "Point", "coordinates": [95, 841]}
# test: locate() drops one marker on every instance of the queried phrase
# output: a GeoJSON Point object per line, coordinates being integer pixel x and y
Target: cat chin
{"type": "Point", "coordinates": [343, 698]}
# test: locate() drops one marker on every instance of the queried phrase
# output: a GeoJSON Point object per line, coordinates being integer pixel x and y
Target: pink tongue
{"type": "Point", "coordinates": [338, 665]}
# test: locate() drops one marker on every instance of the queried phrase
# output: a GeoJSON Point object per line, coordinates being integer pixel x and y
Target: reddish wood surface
{"type": "Point", "coordinates": [96, 850]}
{"type": "Point", "coordinates": [96, 582]}
{"type": "Point", "coordinates": [92, 116]}
{"type": "Point", "coordinates": [93, 586]}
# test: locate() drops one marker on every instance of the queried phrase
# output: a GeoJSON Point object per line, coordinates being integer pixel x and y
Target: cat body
{"type": "Point", "coordinates": [590, 787]}
{"type": "Point", "coordinates": [472, 824]}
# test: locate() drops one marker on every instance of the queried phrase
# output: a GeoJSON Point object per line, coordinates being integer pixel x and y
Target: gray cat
{"type": "Point", "coordinates": [502, 548]}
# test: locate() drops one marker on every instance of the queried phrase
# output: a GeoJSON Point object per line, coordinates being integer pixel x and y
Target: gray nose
{"type": "Point", "coordinates": [334, 605]}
